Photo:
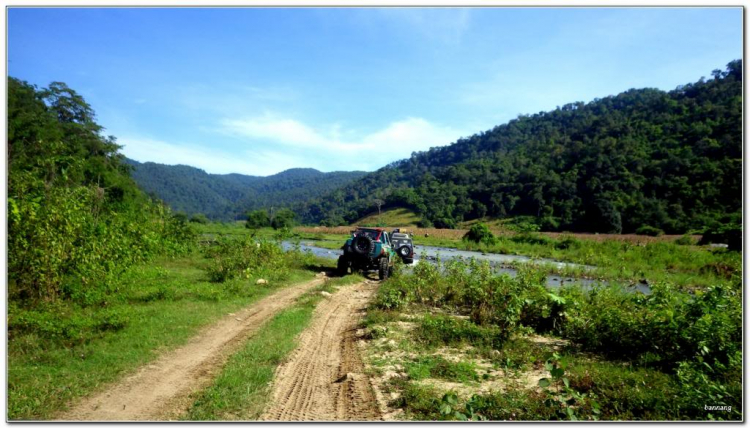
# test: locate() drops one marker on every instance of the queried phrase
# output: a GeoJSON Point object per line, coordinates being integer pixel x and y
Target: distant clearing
{"type": "Point", "coordinates": [390, 218]}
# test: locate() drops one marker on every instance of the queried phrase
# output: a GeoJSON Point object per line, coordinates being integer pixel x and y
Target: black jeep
{"type": "Point", "coordinates": [368, 249]}
{"type": "Point", "coordinates": [404, 245]}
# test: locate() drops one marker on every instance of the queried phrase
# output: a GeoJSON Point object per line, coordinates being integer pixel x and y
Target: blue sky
{"type": "Point", "coordinates": [257, 91]}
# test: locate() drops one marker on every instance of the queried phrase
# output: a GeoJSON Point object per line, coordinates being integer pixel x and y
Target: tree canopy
{"type": "Point", "coordinates": [669, 160]}
{"type": "Point", "coordinates": [74, 213]}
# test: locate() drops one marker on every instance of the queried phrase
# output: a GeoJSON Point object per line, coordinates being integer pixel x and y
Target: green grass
{"type": "Point", "coordinates": [439, 368]}
{"type": "Point", "coordinates": [396, 217]}
{"type": "Point", "coordinates": [242, 389]}
{"type": "Point", "coordinates": [158, 307]}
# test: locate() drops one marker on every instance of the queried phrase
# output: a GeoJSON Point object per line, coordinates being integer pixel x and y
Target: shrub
{"type": "Point", "coordinates": [480, 233]}
{"type": "Point", "coordinates": [234, 258]}
{"type": "Point", "coordinates": [523, 224]}
{"type": "Point", "coordinates": [567, 243]}
{"type": "Point", "coordinates": [728, 231]}
{"type": "Point", "coordinates": [284, 219]}
{"type": "Point", "coordinates": [199, 218]}
{"type": "Point", "coordinates": [257, 219]}
{"type": "Point", "coordinates": [663, 328]}
{"type": "Point", "coordinates": [549, 224]}
{"type": "Point", "coordinates": [685, 240]}
{"type": "Point", "coordinates": [649, 231]}
{"type": "Point", "coordinates": [531, 238]}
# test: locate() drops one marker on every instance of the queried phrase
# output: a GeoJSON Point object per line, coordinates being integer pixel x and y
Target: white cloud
{"type": "Point", "coordinates": [397, 140]}
{"type": "Point", "coordinates": [260, 162]}
{"type": "Point", "coordinates": [271, 144]}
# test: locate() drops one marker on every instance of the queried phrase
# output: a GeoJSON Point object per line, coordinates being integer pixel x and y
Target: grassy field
{"type": "Point", "coordinates": [456, 343]}
{"type": "Point", "coordinates": [402, 217]}
{"type": "Point", "coordinates": [242, 389]}
{"type": "Point", "coordinates": [62, 351]}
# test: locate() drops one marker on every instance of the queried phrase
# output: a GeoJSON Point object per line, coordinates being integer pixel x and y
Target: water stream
{"type": "Point", "coordinates": [500, 262]}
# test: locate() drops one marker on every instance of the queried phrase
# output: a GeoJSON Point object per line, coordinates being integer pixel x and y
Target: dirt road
{"type": "Point", "coordinates": [162, 389]}
{"type": "Point", "coordinates": [324, 379]}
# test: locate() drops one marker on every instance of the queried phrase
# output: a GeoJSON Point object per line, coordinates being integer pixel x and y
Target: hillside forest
{"type": "Point", "coordinates": [643, 158]}
{"type": "Point", "coordinates": [228, 197]}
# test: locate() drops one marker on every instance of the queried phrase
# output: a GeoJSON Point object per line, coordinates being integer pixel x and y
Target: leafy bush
{"type": "Point", "coordinates": [567, 243]}
{"type": "Point", "coordinates": [257, 219]}
{"type": "Point", "coordinates": [284, 219]}
{"type": "Point", "coordinates": [494, 302]}
{"type": "Point", "coordinates": [718, 384]}
{"type": "Point", "coordinates": [685, 240]}
{"type": "Point", "coordinates": [728, 231]}
{"type": "Point", "coordinates": [549, 223]}
{"type": "Point", "coordinates": [523, 224]}
{"type": "Point", "coordinates": [649, 231]}
{"type": "Point", "coordinates": [199, 218]}
{"type": "Point", "coordinates": [232, 258]}
{"type": "Point", "coordinates": [663, 328]}
{"type": "Point", "coordinates": [480, 233]}
{"type": "Point", "coordinates": [531, 238]}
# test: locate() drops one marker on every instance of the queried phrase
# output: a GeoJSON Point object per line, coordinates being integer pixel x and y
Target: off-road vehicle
{"type": "Point", "coordinates": [404, 245]}
{"type": "Point", "coordinates": [368, 249]}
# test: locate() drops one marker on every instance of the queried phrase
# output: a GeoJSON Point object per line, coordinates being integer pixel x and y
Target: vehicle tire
{"type": "Point", "coordinates": [384, 269]}
{"type": "Point", "coordinates": [343, 266]}
{"type": "Point", "coordinates": [409, 261]}
{"type": "Point", "coordinates": [362, 245]}
{"type": "Point", "coordinates": [404, 251]}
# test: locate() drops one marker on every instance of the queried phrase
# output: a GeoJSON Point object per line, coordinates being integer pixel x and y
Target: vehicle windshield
{"type": "Point", "coordinates": [373, 234]}
{"type": "Point", "coordinates": [397, 242]}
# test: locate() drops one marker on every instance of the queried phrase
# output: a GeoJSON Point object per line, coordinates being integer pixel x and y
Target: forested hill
{"type": "Point", "coordinates": [671, 160]}
{"type": "Point", "coordinates": [226, 197]}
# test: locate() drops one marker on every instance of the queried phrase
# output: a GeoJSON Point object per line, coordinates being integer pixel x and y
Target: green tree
{"type": "Point", "coordinates": [283, 219]}
{"type": "Point", "coordinates": [199, 218]}
{"type": "Point", "coordinates": [257, 219]}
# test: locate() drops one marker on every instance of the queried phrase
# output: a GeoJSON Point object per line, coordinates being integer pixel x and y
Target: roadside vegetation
{"type": "Point", "coordinates": [456, 341]}
{"type": "Point", "coordinates": [60, 351]}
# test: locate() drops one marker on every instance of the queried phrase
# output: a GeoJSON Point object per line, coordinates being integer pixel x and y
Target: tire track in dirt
{"type": "Point", "coordinates": [162, 390]}
{"type": "Point", "coordinates": [324, 379]}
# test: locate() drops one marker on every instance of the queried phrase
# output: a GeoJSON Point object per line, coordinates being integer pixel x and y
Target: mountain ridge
{"type": "Point", "coordinates": [192, 190]}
